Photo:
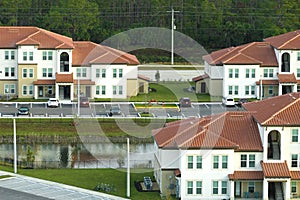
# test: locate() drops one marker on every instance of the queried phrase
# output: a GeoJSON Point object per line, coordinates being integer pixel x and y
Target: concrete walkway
{"type": "Point", "coordinates": [27, 188]}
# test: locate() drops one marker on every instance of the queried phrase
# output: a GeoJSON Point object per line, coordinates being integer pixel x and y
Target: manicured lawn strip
{"type": "Point", "coordinates": [5, 176]}
{"type": "Point", "coordinates": [84, 126]}
{"type": "Point", "coordinates": [155, 105]}
{"type": "Point", "coordinates": [89, 178]}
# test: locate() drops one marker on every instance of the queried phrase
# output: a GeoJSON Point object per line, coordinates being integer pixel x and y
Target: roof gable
{"type": "Point", "coordinates": [290, 40]}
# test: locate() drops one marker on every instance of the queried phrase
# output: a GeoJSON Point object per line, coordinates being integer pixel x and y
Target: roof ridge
{"type": "Point", "coordinates": [281, 110]}
{"type": "Point", "coordinates": [29, 37]}
{"type": "Point", "coordinates": [290, 40]}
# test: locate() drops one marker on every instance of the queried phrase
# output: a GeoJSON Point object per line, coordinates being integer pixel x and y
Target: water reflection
{"type": "Point", "coordinates": [100, 155]}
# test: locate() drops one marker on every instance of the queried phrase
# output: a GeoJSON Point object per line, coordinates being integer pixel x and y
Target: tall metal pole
{"type": "Point", "coordinates": [15, 147]}
{"type": "Point", "coordinates": [172, 38]}
{"type": "Point", "coordinates": [78, 97]}
{"type": "Point", "coordinates": [128, 169]}
{"type": "Point", "coordinates": [261, 88]}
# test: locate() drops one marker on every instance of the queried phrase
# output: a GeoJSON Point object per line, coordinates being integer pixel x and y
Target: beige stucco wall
{"type": "Point", "coordinates": [198, 86]}
{"type": "Point", "coordinates": [215, 87]}
{"type": "Point", "coordinates": [258, 188]}
{"type": "Point", "coordinates": [167, 179]}
{"type": "Point", "coordinates": [132, 87]}
{"type": "Point", "coordinates": [9, 82]}
{"type": "Point", "coordinates": [26, 81]}
{"type": "Point", "coordinates": [143, 86]}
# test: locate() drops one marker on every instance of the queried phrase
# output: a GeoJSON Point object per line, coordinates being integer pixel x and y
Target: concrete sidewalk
{"type": "Point", "coordinates": [28, 188]}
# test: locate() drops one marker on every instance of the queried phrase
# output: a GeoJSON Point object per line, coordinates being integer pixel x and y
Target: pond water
{"type": "Point", "coordinates": [100, 155]}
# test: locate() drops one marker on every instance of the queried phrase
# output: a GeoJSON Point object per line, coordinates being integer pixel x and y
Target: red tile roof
{"type": "Point", "coordinates": [44, 82]}
{"type": "Point", "coordinates": [295, 175]}
{"type": "Point", "coordinates": [11, 36]}
{"type": "Point", "coordinates": [201, 77]}
{"type": "Point", "coordinates": [64, 78]}
{"type": "Point", "coordinates": [234, 130]}
{"type": "Point", "coordinates": [86, 53]}
{"type": "Point", "coordinates": [260, 53]}
{"type": "Point", "coordinates": [287, 78]}
{"type": "Point", "coordinates": [177, 173]}
{"type": "Point", "coordinates": [267, 82]}
{"type": "Point", "coordinates": [145, 78]}
{"type": "Point", "coordinates": [275, 170]}
{"type": "Point", "coordinates": [85, 82]}
{"type": "Point", "coordinates": [290, 40]}
{"type": "Point", "coordinates": [246, 175]}
{"type": "Point", "coordinates": [279, 111]}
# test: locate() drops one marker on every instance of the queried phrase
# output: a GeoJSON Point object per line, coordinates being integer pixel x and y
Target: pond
{"type": "Point", "coordinates": [96, 155]}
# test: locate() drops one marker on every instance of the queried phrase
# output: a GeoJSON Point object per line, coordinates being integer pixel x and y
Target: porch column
{"type": "Point", "coordinates": [265, 189]}
{"type": "Point", "coordinates": [56, 91]}
{"type": "Point", "coordinates": [288, 189]}
{"type": "Point", "coordinates": [231, 190]}
{"type": "Point", "coordinates": [279, 89]}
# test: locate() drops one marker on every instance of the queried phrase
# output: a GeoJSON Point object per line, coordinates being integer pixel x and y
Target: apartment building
{"type": "Point", "coordinates": [233, 155]}
{"type": "Point", "coordinates": [36, 63]}
{"type": "Point", "coordinates": [254, 70]}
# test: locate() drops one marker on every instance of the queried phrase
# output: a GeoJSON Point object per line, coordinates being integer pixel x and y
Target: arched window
{"type": "Point", "coordinates": [274, 144]}
{"type": "Point", "coordinates": [285, 62]}
{"type": "Point", "coordinates": [64, 62]}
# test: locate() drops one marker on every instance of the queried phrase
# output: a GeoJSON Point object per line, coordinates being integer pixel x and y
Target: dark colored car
{"type": "Point", "coordinates": [242, 101]}
{"type": "Point", "coordinates": [115, 110]}
{"type": "Point", "coordinates": [84, 102]}
{"type": "Point", "coordinates": [185, 102]}
{"type": "Point", "coordinates": [23, 111]}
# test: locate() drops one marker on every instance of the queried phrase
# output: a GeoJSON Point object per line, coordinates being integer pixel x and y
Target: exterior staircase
{"type": "Point", "coordinates": [278, 191]}
{"type": "Point", "coordinates": [276, 151]}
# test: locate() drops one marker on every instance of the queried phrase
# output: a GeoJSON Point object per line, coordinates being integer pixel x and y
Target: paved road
{"type": "Point", "coordinates": [27, 188]}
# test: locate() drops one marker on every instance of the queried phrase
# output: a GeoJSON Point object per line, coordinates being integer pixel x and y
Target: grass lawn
{"type": "Point", "coordinates": [89, 178]}
{"type": "Point", "coordinates": [170, 92]}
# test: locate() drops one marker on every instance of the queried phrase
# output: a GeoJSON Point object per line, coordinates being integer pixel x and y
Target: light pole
{"type": "Point", "coordinates": [78, 97]}
{"type": "Point", "coordinates": [15, 146]}
{"type": "Point", "coordinates": [172, 35]}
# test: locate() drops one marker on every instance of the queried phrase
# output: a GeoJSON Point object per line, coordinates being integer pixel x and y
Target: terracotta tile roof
{"type": "Point", "coordinates": [275, 170]}
{"type": "Point", "coordinates": [85, 82]}
{"type": "Point", "coordinates": [246, 175]}
{"type": "Point", "coordinates": [295, 175]}
{"type": "Point", "coordinates": [260, 53]}
{"type": "Point", "coordinates": [268, 82]}
{"type": "Point", "coordinates": [287, 78]}
{"type": "Point", "coordinates": [11, 36]}
{"type": "Point", "coordinates": [280, 110]}
{"type": "Point", "coordinates": [234, 130]}
{"type": "Point", "coordinates": [44, 82]}
{"type": "Point", "coordinates": [145, 78]}
{"type": "Point", "coordinates": [201, 77]}
{"type": "Point", "coordinates": [86, 53]}
{"type": "Point", "coordinates": [64, 78]}
{"type": "Point", "coordinates": [290, 40]}
{"type": "Point", "coordinates": [177, 173]}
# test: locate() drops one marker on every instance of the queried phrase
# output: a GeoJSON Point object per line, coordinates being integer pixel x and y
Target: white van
{"type": "Point", "coordinates": [228, 101]}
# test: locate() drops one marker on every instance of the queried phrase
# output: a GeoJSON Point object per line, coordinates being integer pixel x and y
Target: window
{"type": "Point", "coordinates": [47, 55]}
{"type": "Point", "coordinates": [236, 89]}
{"type": "Point", "coordinates": [215, 187]}
{"type": "Point", "coordinates": [31, 56]}
{"type": "Point", "coordinates": [44, 55]}
{"type": "Point", "coordinates": [270, 89]}
{"type": "Point", "coordinates": [27, 90]}
{"type": "Point", "coordinates": [251, 187]}
{"type": "Point", "coordinates": [252, 90]}
{"type": "Point", "coordinates": [190, 162]}
{"type": "Point", "coordinates": [44, 72]}
{"type": "Point", "coordinates": [30, 90]}
{"type": "Point", "coordinates": [30, 73]}
{"type": "Point", "coordinates": [190, 187]}
{"type": "Point", "coordinates": [247, 90]}
{"type": "Point", "coordinates": [6, 55]}
{"type": "Point", "coordinates": [6, 72]}
{"type": "Point", "coordinates": [251, 160]}
{"type": "Point", "coordinates": [294, 135]}
{"type": "Point", "coordinates": [97, 73]}
{"type": "Point", "coordinates": [198, 187]}
{"type": "Point", "coordinates": [298, 72]}
{"type": "Point", "coordinates": [253, 73]}
{"type": "Point", "coordinates": [50, 72]}
{"type": "Point", "coordinates": [294, 160]}
{"type": "Point", "coordinates": [97, 90]}
{"type": "Point", "coordinates": [120, 73]}
{"type": "Point", "coordinates": [24, 73]}
{"type": "Point", "coordinates": [268, 73]}
{"type": "Point", "coordinates": [230, 90]}
{"type": "Point", "coordinates": [236, 73]}
{"type": "Point", "coordinates": [9, 88]}
{"type": "Point", "coordinates": [83, 72]}
{"type": "Point", "coordinates": [114, 73]}
{"type": "Point", "coordinates": [47, 72]}
{"type": "Point", "coordinates": [216, 162]}
{"type": "Point", "coordinates": [230, 73]}
{"type": "Point", "coordinates": [243, 160]}
{"type": "Point", "coordinates": [271, 72]}
{"type": "Point", "coordinates": [114, 90]}
{"type": "Point", "coordinates": [24, 90]}
{"type": "Point", "coordinates": [50, 55]}
{"type": "Point", "coordinates": [224, 187]}
{"type": "Point", "coordinates": [247, 73]}
{"type": "Point", "coordinates": [224, 162]}
{"type": "Point", "coordinates": [298, 56]}
{"type": "Point", "coordinates": [120, 89]}
{"type": "Point", "coordinates": [24, 56]}
{"type": "Point", "coordinates": [199, 162]}
{"type": "Point", "coordinates": [294, 187]}
{"type": "Point", "coordinates": [103, 73]}
{"type": "Point", "coordinates": [265, 73]}
{"type": "Point", "coordinates": [103, 90]}
{"type": "Point", "coordinates": [298, 88]}
{"type": "Point", "coordinates": [78, 72]}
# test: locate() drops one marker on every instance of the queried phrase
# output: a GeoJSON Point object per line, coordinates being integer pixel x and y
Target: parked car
{"type": "Point", "coordinates": [242, 101]}
{"type": "Point", "coordinates": [185, 102]}
{"type": "Point", "coordinates": [228, 101]}
{"type": "Point", "coordinates": [23, 111]}
{"type": "Point", "coordinates": [53, 102]}
{"type": "Point", "coordinates": [84, 102]}
{"type": "Point", "coordinates": [115, 110]}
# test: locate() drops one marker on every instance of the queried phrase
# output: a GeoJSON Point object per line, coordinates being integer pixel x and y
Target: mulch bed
{"type": "Point", "coordinates": [140, 186]}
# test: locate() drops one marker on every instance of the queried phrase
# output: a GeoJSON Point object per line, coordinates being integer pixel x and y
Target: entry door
{"type": "Point", "coordinates": [203, 87]}
{"type": "Point", "coordinates": [41, 91]}
{"type": "Point", "coordinates": [88, 91]}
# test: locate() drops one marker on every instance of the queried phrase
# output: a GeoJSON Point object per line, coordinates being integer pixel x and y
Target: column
{"type": "Point", "coordinates": [265, 189]}
{"type": "Point", "coordinates": [288, 189]}
{"type": "Point", "coordinates": [231, 190]}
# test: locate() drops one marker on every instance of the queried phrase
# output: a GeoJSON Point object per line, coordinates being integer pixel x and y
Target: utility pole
{"type": "Point", "coordinates": [173, 26]}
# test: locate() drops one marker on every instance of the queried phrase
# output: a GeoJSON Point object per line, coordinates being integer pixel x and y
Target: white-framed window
{"type": "Point", "coordinates": [247, 75]}
{"type": "Point", "coordinates": [81, 72]}
{"type": "Point", "coordinates": [9, 72]}
{"type": "Point", "coordinates": [100, 90]}
{"type": "Point", "coordinates": [114, 73]}
{"type": "Point", "coordinates": [9, 88]}
{"type": "Point", "coordinates": [224, 162]}
{"type": "Point", "coordinates": [217, 164]}
{"type": "Point", "coordinates": [251, 187]}
{"type": "Point", "coordinates": [103, 90]}
{"type": "Point", "coordinates": [117, 73]}
{"type": "Point", "coordinates": [249, 89]}
{"type": "Point", "coordinates": [30, 73]}
{"type": "Point", "coordinates": [247, 160]}
{"type": "Point", "coordinates": [24, 72]}
{"type": "Point", "coordinates": [27, 90]}
{"type": "Point", "coordinates": [47, 55]}
{"type": "Point", "coordinates": [298, 72]}
{"type": "Point", "coordinates": [295, 135]}
{"type": "Point", "coordinates": [294, 187]}
{"type": "Point", "coordinates": [78, 72]}
{"type": "Point", "coordinates": [25, 56]}
{"type": "Point", "coordinates": [236, 89]}
{"type": "Point", "coordinates": [190, 162]}
{"type": "Point", "coordinates": [215, 187]}
{"type": "Point", "coordinates": [194, 187]}
{"type": "Point", "coordinates": [194, 162]}
{"type": "Point", "coordinates": [236, 73]}
{"type": "Point", "coordinates": [97, 73]}
{"type": "Point", "coordinates": [120, 89]}
{"type": "Point", "coordinates": [9, 55]}
{"type": "Point", "coordinates": [120, 73]}
{"type": "Point", "coordinates": [31, 56]}
{"type": "Point", "coordinates": [114, 87]}
{"type": "Point", "coordinates": [28, 55]}
{"type": "Point", "coordinates": [233, 89]}
{"type": "Point", "coordinates": [24, 90]}
{"type": "Point", "coordinates": [230, 73]}
{"type": "Point", "coordinates": [224, 187]}
{"type": "Point", "coordinates": [190, 187]}
{"type": "Point", "coordinates": [270, 89]}
{"type": "Point", "coordinates": [268, 73]}
{"type": "Point", "coordinates": [298, 56]}
{"type": "Point", "coordinates": [198, 187]}
{"type": "Point", "coordinates": [295, 160]}
{"type": "Point", "coordinates": [103, 73]}
{"type": "Point", "coordinates": [199, 162]}
{"type": "Point", "coordinates": [230, 90]}
{"type": "Point", "coordinates": [253, 73]}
